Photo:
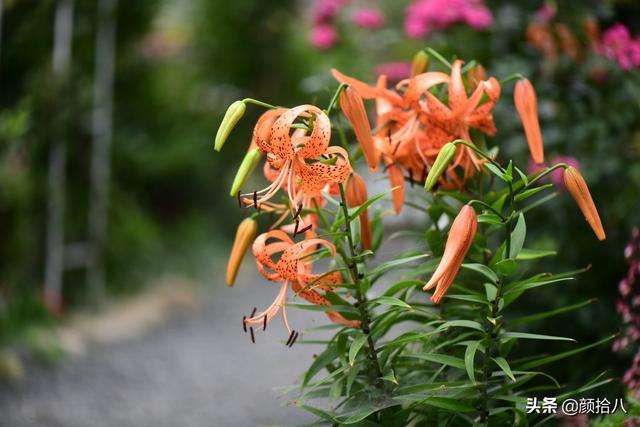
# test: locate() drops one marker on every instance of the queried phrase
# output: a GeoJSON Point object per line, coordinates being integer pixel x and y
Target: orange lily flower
{"type": "Point", "coordinates": [458, 243]}
{"type": "Point", "coordinates": [245, 234]}
{"type": "Point", "coordinates": [413, 125]}
{"type": "Point", "coordinates": [293, 270]}
{"type": "Point", "coordinates": [578, 189]}
{"type": "Point", "coordinates": [300, 162]}
{"type": "Point", "coordinates": [353, 107]}
{"type": "Point", "coordinates": [356, 195]}
{"type": "Point", "coordinates": [527, 106]}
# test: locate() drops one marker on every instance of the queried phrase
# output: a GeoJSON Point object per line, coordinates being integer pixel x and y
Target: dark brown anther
{"type": "Point", "coordinates": [255, 200]}
{"type": "Point", "coordinates": [290, 337]}
{"type": "Point", "coordinates": [239, 200]}
{"type": "Point", "coordinates": [396, 148]}
{"type": "Point", "coordinates": [307, 228]}
{"type": "Point", "coordinates": [295, 229]}
{"type": "Point", "coordinates": [293, 340]}
{"type": "Point", "coordinates": [389, 135]}
{"type": "Point", "coordinates": [410, 176]}
{"type": "Point", "coordinates": [253, 312]}
{"type": "Point", "coordinates": [244, 324]}
{"type": "Point", "coordinates": [298, 212]}
{"type": "Point", "coordinates": [264, 323]}
{"type": "Point", "coordinates": [253, 337]}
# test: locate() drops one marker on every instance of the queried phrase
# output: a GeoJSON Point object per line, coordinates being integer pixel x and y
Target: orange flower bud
{"type": "Point", "coordinates": [461, 235]}
{"type": "Point", "coordinates": [356, 195]}
{"type": "Point", "coordinates": [578, 189]}
{"type": "Point", "coordinates": [527, 106]}
{"type": "Point", "coordinates": [353, 107]}
{"type": "Point", "coordinates": [245, 235]}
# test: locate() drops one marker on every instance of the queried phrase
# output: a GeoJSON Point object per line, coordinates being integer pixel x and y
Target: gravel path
{"type": "Point", "coordinates": [197, 370]}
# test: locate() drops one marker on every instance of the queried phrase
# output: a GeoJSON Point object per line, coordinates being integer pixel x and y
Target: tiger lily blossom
{"type": "Point", "coordinates": [300, 162]}
{"type": "Point", "coordinates": [460, 238]}
{"type": "Point", "coordinates": [577, 187]}
{"type": "Point", "coordinates": [292, 270]}
{"type": "Point", "coordinates": [527, 105]}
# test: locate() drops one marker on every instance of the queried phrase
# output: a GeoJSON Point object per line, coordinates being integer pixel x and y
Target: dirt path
{"type": "Point", "coordinates": [197, 370]}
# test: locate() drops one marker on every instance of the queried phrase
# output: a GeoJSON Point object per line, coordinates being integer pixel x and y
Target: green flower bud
{"type": "Point", "coordinates": [231, 117]}
{"type": "Point", "coordinates": [246, 168]}
{"type": "Point", "coordinates": [420, 63]}
{"type": "Point", "coordinates": [440, 165]}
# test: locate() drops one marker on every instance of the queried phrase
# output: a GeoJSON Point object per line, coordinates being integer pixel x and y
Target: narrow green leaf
{"type": "Point", "coordinates": [497, 172]}
{"type": "Point", "coordinates": [517, 237]}
{"type": "Point", "coordinates": [528, 336]}
{"type": "Point", "coordinates": [482, 269]}
{"type": "Point", "coordinates": [530, 192]}
{"type": "Point", "coordinates": [356, 345]}
{"type": "Point", "coordinates": [353, 214]}
{"type": "Point", "coordinates": [504, 365]}
{"type": "Point", "coordinates": [442, 359]}
{"type": "Point", "coordinates": [386, 266]}
{"type": "Point", "coordinates": [461, 324]}
{"type": "Point", "coordinates": [469, 355]}
{"type": "Point", "coordinates": [523, 176]}
{"type": "Point", "coordinates": [334, 307]}
{"type": "Point", "coordinates": [450, 404]}
{"type": "Point", "coordinates": [326, 357]}
{"type": "Point", "coordinates": [489, 218]}
{"type": "Point", "coordinates": [560, 356]}
{"type": "Point", "coordinates": [523, 286]}
{"type": "Point", "coordinates": [529, 254]}
{"type": "Point", "coordinates": [391, 301]}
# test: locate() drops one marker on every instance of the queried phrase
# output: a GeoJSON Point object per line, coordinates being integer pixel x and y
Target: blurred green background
{"type": "Point", "coordinates": [178, 65]}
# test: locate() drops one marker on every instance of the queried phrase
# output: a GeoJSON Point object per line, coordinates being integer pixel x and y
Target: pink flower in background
{"type": "Point", "coordinates": [323, 36]}
{"type": "Point", "coordinates": [545, 13]}
{"type": "Point", "coordinates": [395, 71]}
{"type": "Point", "coordinates": [324, 11]}
{"type": "Point", "coordinates": [617, 45]}
{"type": "Point", "coordinates": [424, 16]}
{"type": "Point", "coordinates": [370, 17]}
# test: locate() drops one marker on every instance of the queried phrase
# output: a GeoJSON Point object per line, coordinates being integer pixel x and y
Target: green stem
{"type": "Point", "coordinates": [509, 78]}
{"type": "Point", "coordinates": [260, 103]}
{"type": "Point", "coordinates": [439, 57]}
{"type": "Point", "coordinates": [365, 319]}
{"type": "Point", "coordinates": [334, 99]}
{"type": "Point", "coordinates": [543, 174]}
{"type": "Point", "coordinates": [495, 324]}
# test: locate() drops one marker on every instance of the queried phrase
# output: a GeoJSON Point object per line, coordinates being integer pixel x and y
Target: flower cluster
{"type": "Point", "coordinates": [617, 45]}
{"type": "Point", "coordinates": [422, 133]}
{"type": "Point", "coordinates": [424, 16]}
{"type": "Point", "coordinates": [627, 306]}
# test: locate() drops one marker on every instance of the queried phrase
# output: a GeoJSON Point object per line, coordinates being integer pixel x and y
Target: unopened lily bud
{"type": "Point", "coordinates": [245, 235]}
{"type": "Point", "coordinates": [420, 63]}
{"type": "Point", "coordinates": [475, 75]}
{"type": "Point", "coordinates": [353, 107]}
{"type": "Point", "coordinates": [527, 106]}
{"type": "Point", "coordinates": [440, 165]}
{"type": "Point", "coordinates": [231, 117]}
{"type": "Point", "coordinates": [460, 239]}
{"type": "Point", "coordinates": [578, 189]}
{"type": "Point", "coordinates": [356, 195]}
{"type": "Point", "coordinates": [249, 163]}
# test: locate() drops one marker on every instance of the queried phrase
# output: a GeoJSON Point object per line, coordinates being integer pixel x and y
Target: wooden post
{"type": "Point", "coordinates": [102, 123]}
{"type": "Point", "coordinates": [54, 263]}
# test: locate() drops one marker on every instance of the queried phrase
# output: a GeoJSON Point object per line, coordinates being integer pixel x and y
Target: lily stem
{"type": "Point", "coordinates": [365, 319]}
{"type": "Point", "coordinates": [495, 323]}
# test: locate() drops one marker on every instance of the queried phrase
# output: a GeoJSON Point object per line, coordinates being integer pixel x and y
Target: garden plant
{"type": "Point", "coordinates": [440, 345]}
